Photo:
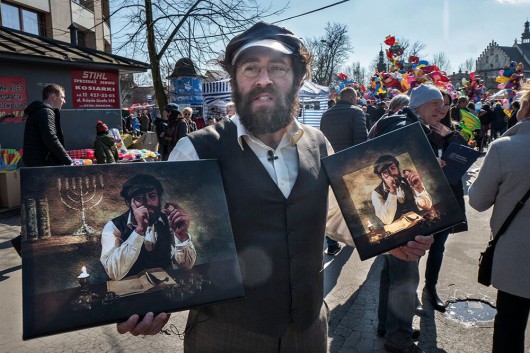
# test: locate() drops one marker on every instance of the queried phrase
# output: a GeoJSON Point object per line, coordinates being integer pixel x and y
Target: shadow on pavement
{"type": "Point", "coordinates": [356, 318]}
{"type": "Point", "coordinates": [333, 266]}
{"type": "Point", "coordinates": [8, 270]}
{"type": "Point", "coordinates": [6, 244]}
{"type": "Point", "coordinates": [429, 331]}
{"type": "Point", "coordinates": [353, 324]}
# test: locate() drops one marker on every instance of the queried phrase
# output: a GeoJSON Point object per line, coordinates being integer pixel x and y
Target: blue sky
{"type": "Point", "coordinates": [460, 28]}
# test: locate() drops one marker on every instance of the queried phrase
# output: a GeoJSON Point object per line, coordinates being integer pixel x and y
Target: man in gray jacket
{"type": "Point", "coordinates": [344, 125]}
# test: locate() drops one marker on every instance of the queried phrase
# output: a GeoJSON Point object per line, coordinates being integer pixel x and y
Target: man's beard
{"type": "Point", "coordinates": [265, 120]}
{"type": "Point", "coordinates": [153, 217]}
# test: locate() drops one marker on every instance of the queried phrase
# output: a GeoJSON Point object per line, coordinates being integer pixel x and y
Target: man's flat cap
{"type": "Point", "coordinates": [262, 35]}
{"type": "Point", "coordinates": [172, 107]}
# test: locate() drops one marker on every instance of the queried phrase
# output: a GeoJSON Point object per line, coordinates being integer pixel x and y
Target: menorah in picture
{"type": "Point", "coordinates": [81, 194]}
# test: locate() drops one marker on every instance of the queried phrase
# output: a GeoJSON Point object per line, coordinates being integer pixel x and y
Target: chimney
{"type": "Point", "coordinates": [73, 34]}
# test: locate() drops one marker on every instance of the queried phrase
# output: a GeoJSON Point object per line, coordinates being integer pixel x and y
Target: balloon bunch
{"type": "Point", "coordinates": [342, 81]}
{"type": "Point", "coordinates": [510, 76]}
{"type": "Point", "coordinates": [472, 88]}
{"type": "Point", "coordinates": [395, 50]}
{"type": "Point", "coordinates": [402, 75]}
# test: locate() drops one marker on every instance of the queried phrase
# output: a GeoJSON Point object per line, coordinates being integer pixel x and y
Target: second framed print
{"type": "Point", "coordinates": [391, 189]}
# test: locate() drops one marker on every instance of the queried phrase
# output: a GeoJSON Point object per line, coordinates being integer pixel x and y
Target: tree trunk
{"type": "Point", "coordinates": [160, 94]}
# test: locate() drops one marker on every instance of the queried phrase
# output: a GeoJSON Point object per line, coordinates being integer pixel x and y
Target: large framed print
{"type": "Point", "coordinates": [391, 189]}
{"type": "Point", "coordinates": [103, 242]}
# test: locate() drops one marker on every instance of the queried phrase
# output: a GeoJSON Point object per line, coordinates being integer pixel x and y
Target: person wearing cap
{"type": "Point", "coordinates": [177, 127]}
{"type": "Point", "coordinates": [399, 279]}
{"type": "Point", "coordinates": [397, 193]}
{"type": "Point", "coordinates": [277, 194]}
{"type": "Point", "coordinates": [147, 235]}
{"type": "Point", "coordinates": [105, 149]}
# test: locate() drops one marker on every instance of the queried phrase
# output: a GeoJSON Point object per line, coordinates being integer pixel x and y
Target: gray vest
{"type": "Point", "coordinates": [279, 241]}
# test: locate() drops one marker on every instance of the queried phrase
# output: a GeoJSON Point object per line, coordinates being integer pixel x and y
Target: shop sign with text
{"type": "Point", "coordinates": [95, 89]}
{"type": "Point", "coordinates": [13, 99]}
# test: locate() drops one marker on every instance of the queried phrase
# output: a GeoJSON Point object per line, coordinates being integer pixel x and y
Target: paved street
{"type": "Point", "coordinates": [351, 292]}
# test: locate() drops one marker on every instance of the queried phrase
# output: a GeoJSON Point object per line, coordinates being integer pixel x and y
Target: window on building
{"type": "Point", "coordinates": [22, 19]}
{"type": "Point", "coordinates": [87, 4]}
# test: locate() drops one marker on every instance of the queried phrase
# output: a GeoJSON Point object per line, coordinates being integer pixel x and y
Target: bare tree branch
{"type": "Point", "coordinates": [411, 48]}
{"type": "Point", "coordinates": [468, 65]}
{"type": "Point", "coordinates": [329, 52]}
{"type": "Point", "coordinates": [166, 30]}
{"type": "Point", "coordinates": [442, 61]}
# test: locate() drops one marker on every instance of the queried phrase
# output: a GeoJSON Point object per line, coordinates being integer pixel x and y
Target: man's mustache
{"type": "Point", "coordinates": [256, 91]}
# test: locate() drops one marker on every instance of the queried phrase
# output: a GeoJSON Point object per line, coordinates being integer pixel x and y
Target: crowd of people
{"type": "Point", "coordinates": [278, 200]}
{"type": "Point", "coordinates": [494, 118]}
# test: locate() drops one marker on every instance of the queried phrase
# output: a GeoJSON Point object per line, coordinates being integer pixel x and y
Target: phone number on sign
{"type": "Point", "coordinates": [96, 95]}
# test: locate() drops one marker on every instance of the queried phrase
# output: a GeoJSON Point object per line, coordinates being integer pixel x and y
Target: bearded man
{"type": "Point", "coordinates": [147, 235]}
{"type": "Point", "coordinates": [277, 195]}
{"type": "Point", "coordinates": [397, 194]}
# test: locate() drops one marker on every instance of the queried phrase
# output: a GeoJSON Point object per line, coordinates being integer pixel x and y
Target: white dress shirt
{"type": "Point", "coordinates": [118, 256]}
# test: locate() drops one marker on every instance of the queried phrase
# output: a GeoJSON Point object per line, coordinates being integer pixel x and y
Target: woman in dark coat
{"type": "Point", "coordinates": [177, 127]}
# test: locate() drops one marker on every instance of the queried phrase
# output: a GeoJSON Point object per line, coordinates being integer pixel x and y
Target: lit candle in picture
{"type": "Point", "coordinates": [84, 273]}
{"type": "Point", "coordinates": [370, 226]}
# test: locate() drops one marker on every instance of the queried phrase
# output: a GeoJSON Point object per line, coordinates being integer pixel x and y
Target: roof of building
{"type": "Point", "coordinates": [184, 67]}
{"type": "Point", "coordinates": [515, 55]}
{"type": "Point", "coordinates": [25, 47]}
{"type": "Point", "coordinates": [215, 75]}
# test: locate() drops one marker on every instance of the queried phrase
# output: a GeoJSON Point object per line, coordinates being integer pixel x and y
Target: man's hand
{"type": "Point", "coordinates": [141, 215]}
{"type": "Point", "coordinates": [150, 324]}
{"type": "Point", "coordinates": [179, 220]}
{"type": "Point", "coordinates": [390, 183]}
{"type": "Point", "coordinates": [414, 180]}
{"type": "Point", "coordinates": [414, 249]}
